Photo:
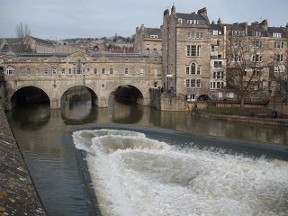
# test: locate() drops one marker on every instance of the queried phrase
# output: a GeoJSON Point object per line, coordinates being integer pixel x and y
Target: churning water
{"type": "Point", "coordinates": [135, 175]}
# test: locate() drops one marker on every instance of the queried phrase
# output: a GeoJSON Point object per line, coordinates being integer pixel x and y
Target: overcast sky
{"type": "Point", "coordinates": [61, 19]}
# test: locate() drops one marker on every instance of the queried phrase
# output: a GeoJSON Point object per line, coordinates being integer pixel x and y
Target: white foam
{"type": "Point", "coordinates": [133, 175]}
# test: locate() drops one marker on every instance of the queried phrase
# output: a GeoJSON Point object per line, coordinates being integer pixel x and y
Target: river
{"type": "Point", "coordinates": [133, 160]}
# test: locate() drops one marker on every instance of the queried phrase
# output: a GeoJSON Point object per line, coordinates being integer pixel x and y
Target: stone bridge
{"type": "Point", "coordinates": [102, 74]}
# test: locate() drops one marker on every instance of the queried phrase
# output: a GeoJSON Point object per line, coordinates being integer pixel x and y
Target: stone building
{"type": "Point", "coordinates": [186, 52]}
{"type": "Point", "coordinates": [199, 57]}
{"type": "Point", "coordinates": [148, 41]}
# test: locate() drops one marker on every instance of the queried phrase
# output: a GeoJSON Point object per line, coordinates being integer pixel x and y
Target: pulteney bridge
{"type": "Point", "coordinates": [103, 75]}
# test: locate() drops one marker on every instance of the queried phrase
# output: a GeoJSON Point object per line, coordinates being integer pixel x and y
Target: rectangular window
{"type": "Point", "coordinates": [187, 83]}
{"type": "Point", "coordinates": [63, 71]}
{"type": "Point", "coordinates": [198, 83]}
{"type": "Point", "coordinates": [54, 71]}
{"type": "Point", "coordinates": [257, 43]}
{"type": "Point", "coordinates": [276, 35]}
{"type": "Point", "coordinates": [103, 70]}
{"type": "Point", "coordinates": [28, 71]}
{"type": "Point", "coordinates": [187, 70]}
{"type": "Point", "coordinates": [257, 58]}
{"type": "Point", "coordinates": [212, 48]}
{"type": "Point", "coordinates": [10, 71]}
{"type": "Point", "coordinates": [278, 57]}
{"type": "Point", "coordinates": [198, 70]}
{"type": "Point", "coordinates": [45, 71]}
{"type": "Point", "coordinates": [126, 71]}
{"type": "Point", "coordinates": [256, 73]}
{"type": "Point", "coordinates": [279, 68]}
{"type": "Point", "coordinates": [199, 35]}
{"type": "Point", "coordinates": [217, 64]}
{"type": "Point", "coordinates": [70, 71]}
{"type": "Point", "coordinates": [279, 44]}
{"type": "Point", "coordinates": [193, 50]}
{"type": "Point", "coordinates": [193, 83]}
{"type": "Point", "coordinates": [111, 70]}
{"type": "Point", "coordinates": [95, 70]}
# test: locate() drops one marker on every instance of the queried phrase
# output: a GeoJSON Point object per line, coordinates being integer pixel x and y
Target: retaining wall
{"type": "Point", "coordinates": [18, 195]}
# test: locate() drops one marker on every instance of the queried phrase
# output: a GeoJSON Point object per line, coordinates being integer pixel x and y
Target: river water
{"type": "Point", "coordinates": [132, 160]}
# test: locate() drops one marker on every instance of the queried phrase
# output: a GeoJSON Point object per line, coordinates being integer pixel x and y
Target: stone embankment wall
{"type": "Point", "coordinates": [167, 102]}
{"type": "Point", "coordinates": [18, 195]}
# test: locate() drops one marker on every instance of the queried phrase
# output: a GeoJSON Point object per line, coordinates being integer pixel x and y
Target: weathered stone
{"type": "Point", "coordinates": [18, 195]}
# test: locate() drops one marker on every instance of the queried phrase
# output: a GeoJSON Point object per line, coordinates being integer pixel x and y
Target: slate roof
{"type": "Point", "coordinates": [192, 16]}
{"type": "Point", "coordinates": [152, 31]}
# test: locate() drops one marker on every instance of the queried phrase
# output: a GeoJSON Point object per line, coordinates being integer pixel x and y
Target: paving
{"type": "Point", "coordinates": [18, 195]}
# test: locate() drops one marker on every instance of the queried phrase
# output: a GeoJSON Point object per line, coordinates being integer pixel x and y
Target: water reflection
{"type": "Point", "coordinates": [125, 113]}
{"type": "Point", "coordinates": [35, 116]}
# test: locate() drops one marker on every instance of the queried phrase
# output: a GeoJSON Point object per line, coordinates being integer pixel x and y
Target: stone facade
{"type": "Point", "coordinates": [148, 41]}
{"type": "Point", "coordinates": [101, 73]}
{"type": "Point", "coordinates": [197, 58]}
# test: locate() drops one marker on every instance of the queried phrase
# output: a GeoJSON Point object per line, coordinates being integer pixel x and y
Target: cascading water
{"type": "Point", "coordinates": [135, 175]}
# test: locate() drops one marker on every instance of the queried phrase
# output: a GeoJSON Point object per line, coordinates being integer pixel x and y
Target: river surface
{"type": "Point", "coordinates": [132, 160]}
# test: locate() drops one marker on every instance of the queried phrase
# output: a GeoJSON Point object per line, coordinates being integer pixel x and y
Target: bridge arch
{"type": "Point", "coordinates": [28, 94]}
{"type": "Point", "coordinates": [127, 93]}
{"type": "Point", "coordinates": [76, 88]}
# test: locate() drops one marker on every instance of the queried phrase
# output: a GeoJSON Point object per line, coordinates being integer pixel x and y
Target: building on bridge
{"type": "Point", "coordinates": [102, 74]}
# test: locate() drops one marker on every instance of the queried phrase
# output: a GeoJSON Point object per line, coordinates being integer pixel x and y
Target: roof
{"type": "Point", "coordinates": [41, 41]}
{"type": "Point", "coordinates": [281, 30]}
{"type": "Point", "coordinates": [218, 27]}
{"type": "Point", "coordinates": [192, 16]}
{"type": "Point", "coordinates": [152, 31]}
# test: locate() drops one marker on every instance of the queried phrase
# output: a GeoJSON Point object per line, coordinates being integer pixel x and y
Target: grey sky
{"type": "Point", "coordinates": [60, 19]}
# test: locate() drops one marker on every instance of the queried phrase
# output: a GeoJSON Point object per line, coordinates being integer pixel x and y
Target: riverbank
{"type": "Point", "coordinates": [283, 122]}
{"type": "Point", "coordinates": [18, 195]}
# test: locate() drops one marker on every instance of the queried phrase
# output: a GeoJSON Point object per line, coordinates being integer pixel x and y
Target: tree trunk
{"type": "Point", "coordinates": [242, 102]}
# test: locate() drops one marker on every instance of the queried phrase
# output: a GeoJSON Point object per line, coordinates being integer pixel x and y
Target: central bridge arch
{"type": "Point", "coordinates": [79, 92]}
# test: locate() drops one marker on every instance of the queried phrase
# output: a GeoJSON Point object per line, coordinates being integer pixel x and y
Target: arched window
{"type": "Point", "coordinates": [10, 70]}
{"type": "Point", "coordinates": [193, 68]}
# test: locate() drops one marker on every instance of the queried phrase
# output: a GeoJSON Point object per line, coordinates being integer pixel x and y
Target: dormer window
{"type": "Point", "coordinates": [193, 22]}
{"type": "Point", "coordinates": [238, 33]}
{"type": "Point", "coordinates": [180, 21]}
{"type": "Point", "coordinates": [276, 35]}
{"type": "Point", "coordinates": [258, 34]}
{"type": "Point", "coordinates": [154, 36]}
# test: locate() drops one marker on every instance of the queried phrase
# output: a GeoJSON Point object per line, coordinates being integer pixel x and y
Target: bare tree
{"type": "Point", "coordinates": [23, 32]}
{"type": "Point", "coordinates": [280, 72]}
{"type": "Point", "coordinates": [246, 64]}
